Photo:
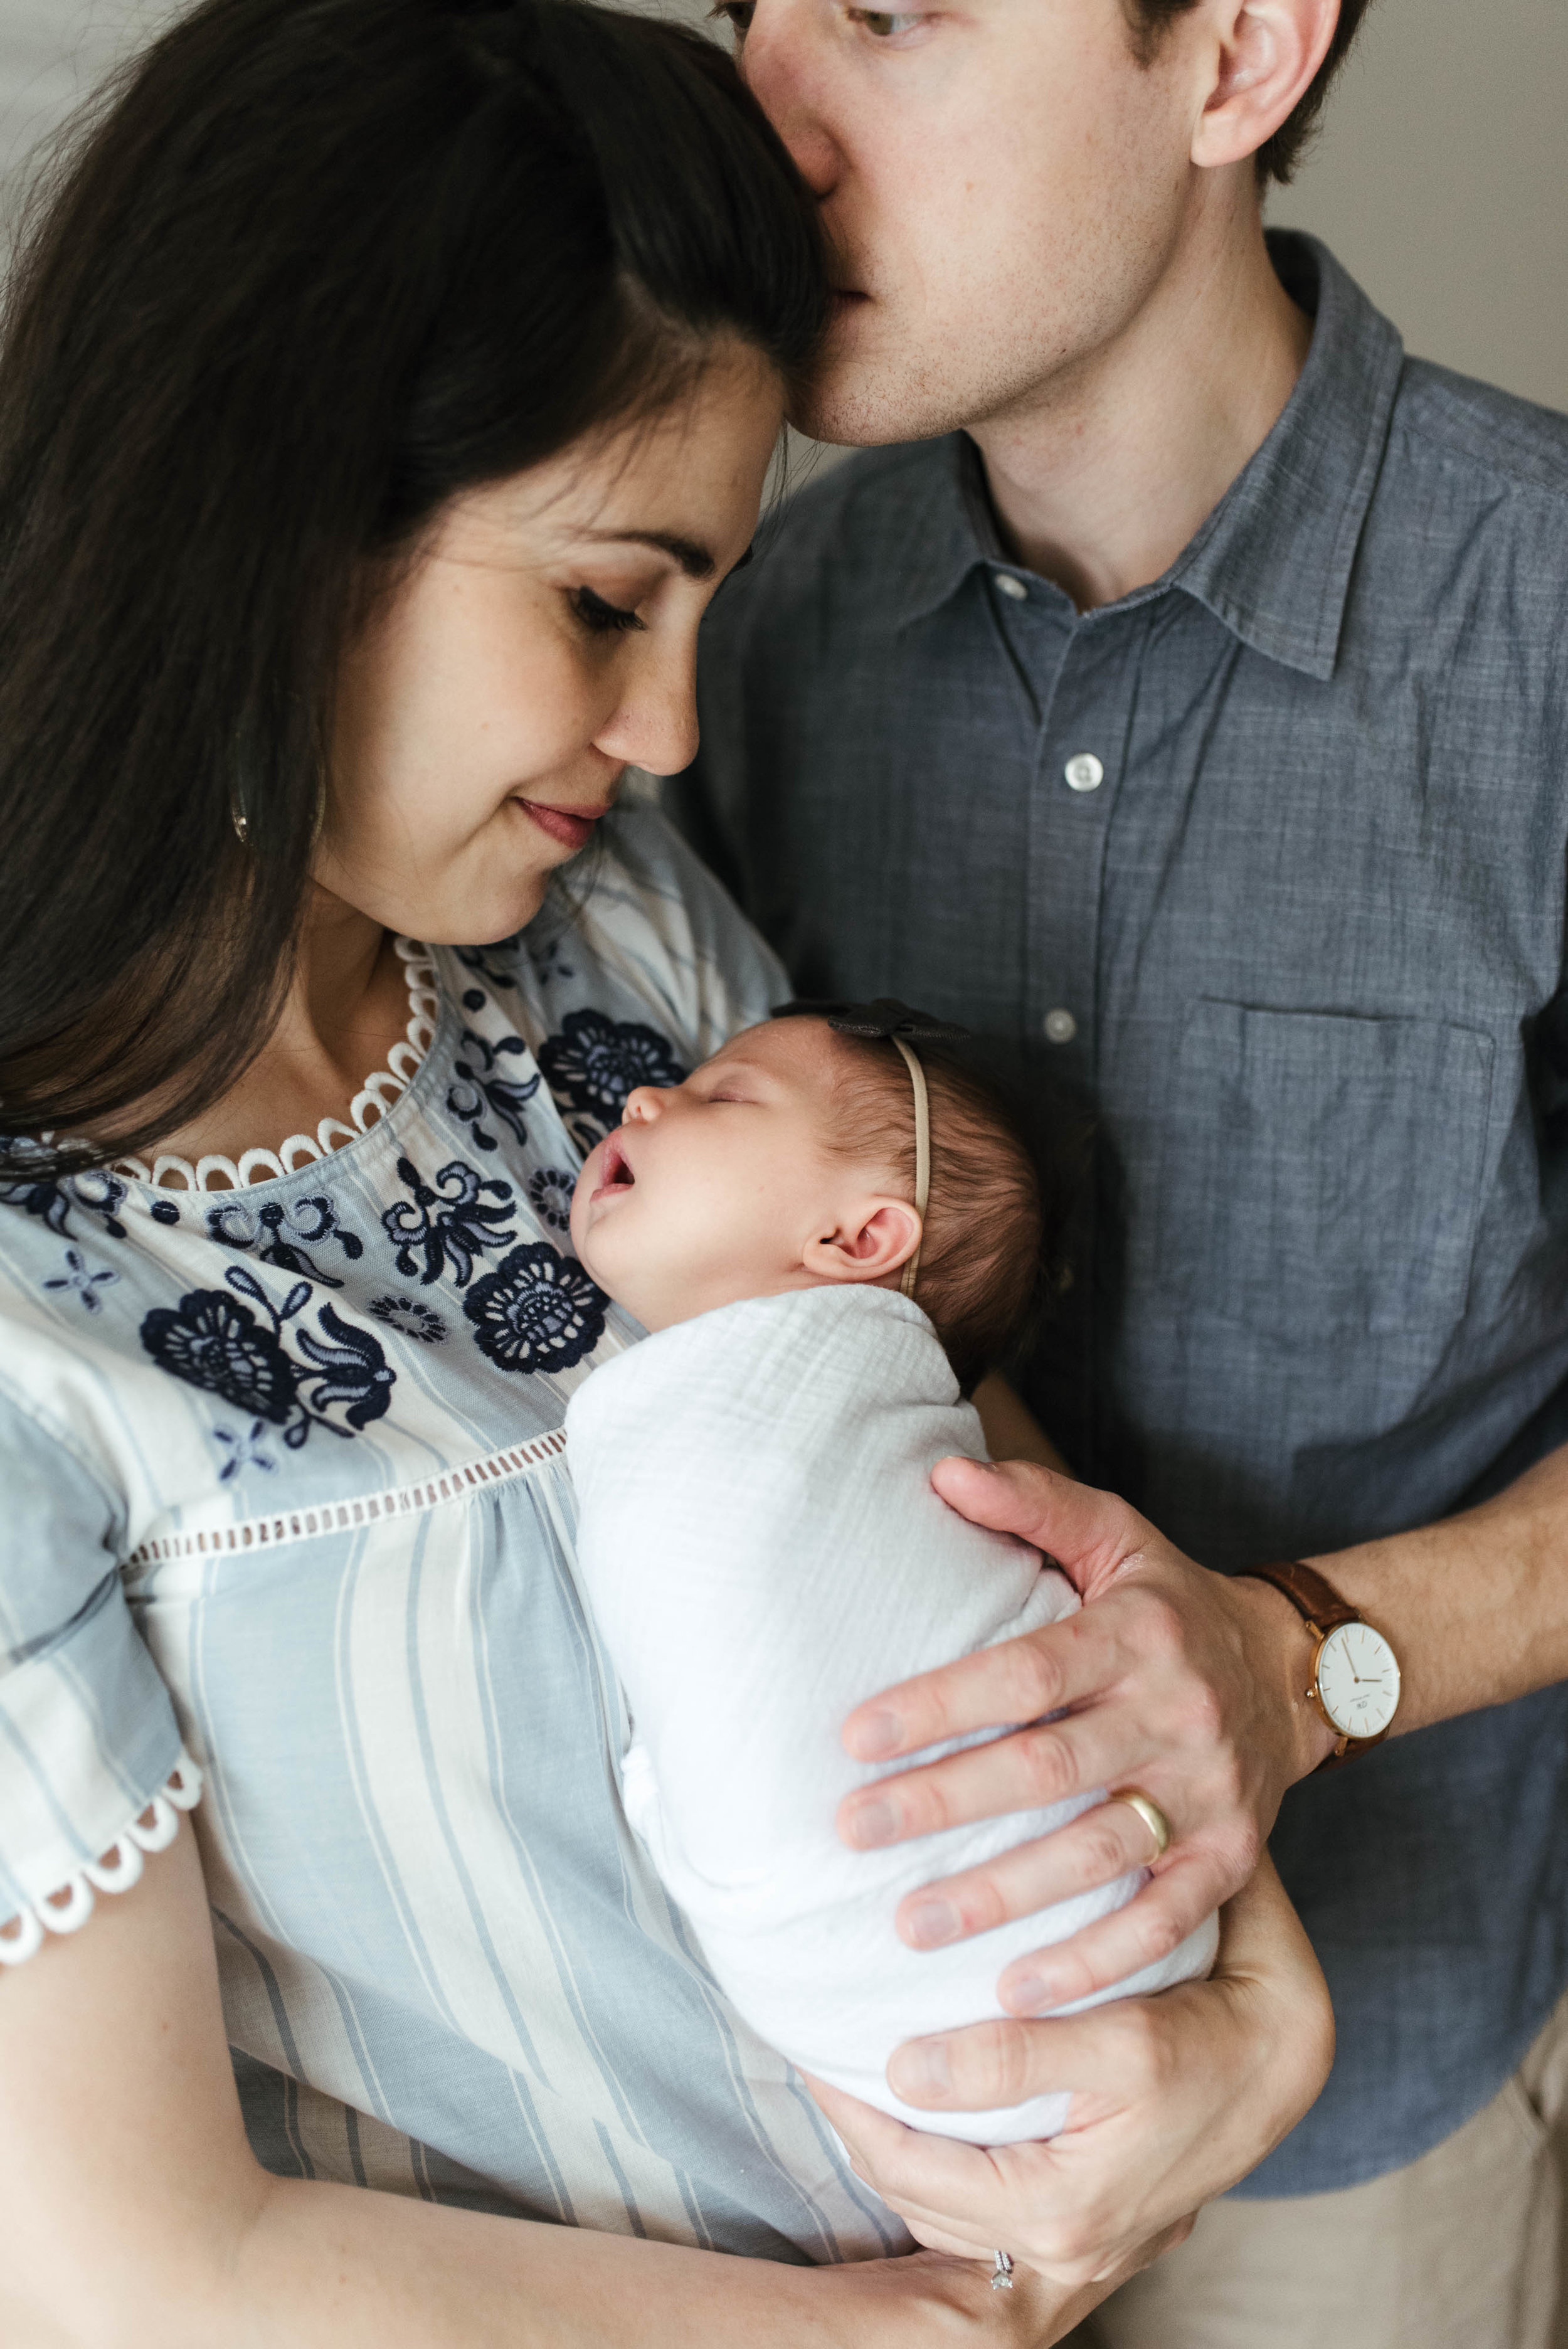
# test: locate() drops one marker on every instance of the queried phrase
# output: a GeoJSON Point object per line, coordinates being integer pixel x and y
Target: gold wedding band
{"type": "Point", "coordinates": [1153, 1817]}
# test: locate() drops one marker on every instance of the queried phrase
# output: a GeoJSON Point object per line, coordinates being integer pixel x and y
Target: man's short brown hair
{"type": "Point", "coordinates": [1277, 158]}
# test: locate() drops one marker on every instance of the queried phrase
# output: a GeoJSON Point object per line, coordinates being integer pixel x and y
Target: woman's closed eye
{"type": "Point", "coordinates": [599, 617]}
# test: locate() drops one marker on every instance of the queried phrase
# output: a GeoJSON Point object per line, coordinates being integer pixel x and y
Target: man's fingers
{"type": "Point", "coordinates": [1006, 2060]}
{"type": "Point", "coordinates": [1095, 1850]}
{"type": "Point", "coordinates": [1020, 1680]}
{"type": "Point", "coordinates": [1088, 1533]}
{"type": "Point", "coordinates": [1032, 1769]}
{"type": "Point", "coordinates": [1156, 1922]}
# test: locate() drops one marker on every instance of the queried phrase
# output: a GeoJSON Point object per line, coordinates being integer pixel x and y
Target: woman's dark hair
{"type": "Point", "coordinates": [315, 267]}
{"type": "Point", "coordinates": [1279, 157]}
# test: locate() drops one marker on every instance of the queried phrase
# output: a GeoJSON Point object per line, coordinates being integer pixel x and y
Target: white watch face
{"type": "Point", "coordinates": [1358, 1681]}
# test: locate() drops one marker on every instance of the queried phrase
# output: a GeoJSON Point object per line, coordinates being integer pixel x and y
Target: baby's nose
{"type": "Point", "coordinates": [644, 1103]}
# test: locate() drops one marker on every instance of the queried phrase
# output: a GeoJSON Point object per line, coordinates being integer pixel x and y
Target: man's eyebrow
{"type": "Point", "coordinates": [695, 560]}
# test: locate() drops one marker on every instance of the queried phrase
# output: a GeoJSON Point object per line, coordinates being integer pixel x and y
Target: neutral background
{"type": "Point", "coordinates": [1440, 180]}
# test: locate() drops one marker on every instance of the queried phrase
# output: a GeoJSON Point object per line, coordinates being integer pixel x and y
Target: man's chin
{"type": "Point", "coordinates": [855, 401]}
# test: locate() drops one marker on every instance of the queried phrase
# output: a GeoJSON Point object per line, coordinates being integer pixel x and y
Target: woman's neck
{"type": "Point", "coordinates": [346, 1007]}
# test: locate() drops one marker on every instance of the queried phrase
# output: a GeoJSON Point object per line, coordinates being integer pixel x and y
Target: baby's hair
{"type": "Point", "coordinates": [985, 1259]}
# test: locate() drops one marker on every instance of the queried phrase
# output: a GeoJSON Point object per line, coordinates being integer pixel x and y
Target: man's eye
{"type": "Point", "coordinates": [881, 22]}
{"type": "Point", "coordinates": [601, 620]}
{"type": "Point", "coordinates": [738, 14]}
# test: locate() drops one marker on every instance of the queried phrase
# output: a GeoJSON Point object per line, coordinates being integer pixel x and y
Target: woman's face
{"type": "Point", "coordinates": [544, 641]}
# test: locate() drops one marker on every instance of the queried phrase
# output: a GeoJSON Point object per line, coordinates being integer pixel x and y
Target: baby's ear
{"type": "Point", "coordinates": [876, 1238]}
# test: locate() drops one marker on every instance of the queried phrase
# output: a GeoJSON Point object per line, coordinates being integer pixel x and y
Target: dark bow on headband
{"type": "Point", "coordinates": [886, 1018]}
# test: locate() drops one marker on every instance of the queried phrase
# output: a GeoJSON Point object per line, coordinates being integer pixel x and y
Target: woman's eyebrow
{"type": "Point", "coordinates": [694, 558]}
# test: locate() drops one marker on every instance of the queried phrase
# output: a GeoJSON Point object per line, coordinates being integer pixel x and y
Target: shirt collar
{"type": "Point", "coordinates": [1274, 560]}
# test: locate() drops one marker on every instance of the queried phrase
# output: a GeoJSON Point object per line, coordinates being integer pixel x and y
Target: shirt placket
{"type": "Point", "coordinates": [1085, 697]}
{"type": "Point", "coordinates": [1087, 694]}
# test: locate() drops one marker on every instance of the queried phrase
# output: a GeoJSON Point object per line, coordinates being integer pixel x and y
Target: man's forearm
{"type": "Point", "coordinates": [1476, 1607]}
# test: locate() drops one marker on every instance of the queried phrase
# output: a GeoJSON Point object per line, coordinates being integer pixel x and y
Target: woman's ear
{"type": "Point", "coordinates": [877, 1237]}
{"type": "Point", "coordinates": [1269, 55]}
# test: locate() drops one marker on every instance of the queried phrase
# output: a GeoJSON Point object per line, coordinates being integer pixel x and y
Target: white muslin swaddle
{"type": "Point", "coordinates": [762, 1548]}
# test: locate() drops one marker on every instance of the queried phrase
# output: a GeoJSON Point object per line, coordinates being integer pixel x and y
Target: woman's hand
{"type": "Point", "coordinates": [132, 2210]}
{"type": "Point", "coordinates": [1173, 2099]}
{"type": "Point", "coordinates": [1187, 1684]}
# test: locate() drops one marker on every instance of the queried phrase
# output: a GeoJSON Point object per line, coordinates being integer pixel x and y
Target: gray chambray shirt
{"type": "Point", "coordinates": [1267, 861]}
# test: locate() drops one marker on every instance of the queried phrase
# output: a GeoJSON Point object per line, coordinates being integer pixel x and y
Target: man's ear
{"type": "Point", "coordinates": [1269, 56]}
{"type": "Point", "coordinates": [877, 1237]}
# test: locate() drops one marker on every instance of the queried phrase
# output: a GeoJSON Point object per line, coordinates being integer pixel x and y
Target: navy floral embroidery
{"type": "Point", "coordinates": [595, 1063]}
{"type": "Point", "coordinates": [211, 1341]}
{"type": "Point", "coordinates": [240, 1452]}
{"type": "Point", "coordinates": [549, 1196]}
{"type": "Point", "coordinates": [545, 957]}
{"type": "Point", "coordinates": [82, 1283]}
{"type": "Point", "coordinates": [53, 1197]}
{"type": "Point", "coordinates": [447, 1221]}
{"type": "Point", "coordinates": [480, 1086]}
{"type": "Point", "coordinates": [409, 1319]}
{"type": "Point", "coordinates": [538, 1310]}
{"type": "Point", "coordinates": [214, 1341]}
{"type": "Point", "coordinates": [164, 1211]}
{"type": "Point", "coordinates": [283, 1235]}
{"type": "Point", "coordinates": [496, 975]}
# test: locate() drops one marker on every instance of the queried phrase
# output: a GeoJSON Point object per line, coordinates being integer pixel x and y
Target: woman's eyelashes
{"type": "Point", "coordinates": [600, 618]}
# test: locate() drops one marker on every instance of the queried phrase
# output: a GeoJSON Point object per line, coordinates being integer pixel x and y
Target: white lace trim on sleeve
{"type": "Point", "coordinates": [115, 1871]}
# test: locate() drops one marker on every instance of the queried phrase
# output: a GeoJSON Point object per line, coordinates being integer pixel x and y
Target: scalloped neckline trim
{"type": "Point", "coordinates": [369, 1106]}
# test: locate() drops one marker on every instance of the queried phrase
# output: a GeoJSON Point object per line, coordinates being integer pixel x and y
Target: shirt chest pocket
{"type": "Point", "coordinates": [1326, 1169]}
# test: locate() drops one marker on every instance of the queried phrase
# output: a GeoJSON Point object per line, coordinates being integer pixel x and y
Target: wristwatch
{"type": "Point", "coordinates": [1355, 1682]}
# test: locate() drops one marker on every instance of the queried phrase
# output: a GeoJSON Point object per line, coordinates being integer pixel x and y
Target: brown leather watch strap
{"type": "Point", "coordinates": [1322, 1608]}
{"type": "Point", "coordinates": [1315, 1600]}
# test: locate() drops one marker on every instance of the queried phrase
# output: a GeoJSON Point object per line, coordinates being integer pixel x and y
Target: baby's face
{"type": "Point", "coordinates": [725, 1187]}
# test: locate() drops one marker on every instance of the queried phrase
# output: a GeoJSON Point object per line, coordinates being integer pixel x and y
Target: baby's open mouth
{"type": "Point", "coordinates": [615, 1175]}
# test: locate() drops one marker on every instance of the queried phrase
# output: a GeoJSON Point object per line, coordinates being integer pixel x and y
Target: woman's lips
{"type": "Point", "coordinates": [572, 827]}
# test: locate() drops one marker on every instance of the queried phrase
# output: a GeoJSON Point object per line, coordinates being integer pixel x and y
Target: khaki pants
{"type": "Point", "coordinates": [1464, 2250]}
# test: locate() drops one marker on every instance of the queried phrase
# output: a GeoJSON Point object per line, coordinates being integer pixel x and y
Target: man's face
{"type": "Point", "coordinates": [1002, 183]}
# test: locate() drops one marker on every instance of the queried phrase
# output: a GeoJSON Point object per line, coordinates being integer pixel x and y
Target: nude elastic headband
{"type": "Point", "coordinates": [895, 1023]}
{"type": "Point", "coordinates": [922, 1156]}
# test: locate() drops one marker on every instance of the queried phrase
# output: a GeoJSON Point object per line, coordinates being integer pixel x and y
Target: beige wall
{"type": "Point", "coordinates": [1441, 182]}
{"type": "Point", "coordinates": [1439, 178]}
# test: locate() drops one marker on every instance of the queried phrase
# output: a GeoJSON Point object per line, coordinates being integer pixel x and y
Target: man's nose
{"type": "Point", "coordinates": [780, 65]}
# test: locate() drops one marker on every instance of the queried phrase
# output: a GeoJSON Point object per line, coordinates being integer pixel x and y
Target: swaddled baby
{"type": "Point", "coordinates": [828, 1232]}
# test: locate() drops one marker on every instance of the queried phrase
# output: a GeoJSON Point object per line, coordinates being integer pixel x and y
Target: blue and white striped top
{"type": "Point", "coordinates": [284, 1492]}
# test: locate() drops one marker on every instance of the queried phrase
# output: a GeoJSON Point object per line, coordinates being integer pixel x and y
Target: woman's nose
{"type": "Point", "coordinates": [656, 726]}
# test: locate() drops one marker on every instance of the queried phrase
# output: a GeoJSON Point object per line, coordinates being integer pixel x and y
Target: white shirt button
{"type": "Point", "coordinates": [1084, 773]}
{"type": "Point", "coordinates": [1060, 1027]}
{"type": "Point", "coordinates": [1011, 586]}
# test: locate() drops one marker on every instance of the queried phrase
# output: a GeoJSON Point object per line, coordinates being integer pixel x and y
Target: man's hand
{"type": "Point", "coordinates": [1174, 2099]}
{"type": "Point", "coordinates": [1185, 1683]}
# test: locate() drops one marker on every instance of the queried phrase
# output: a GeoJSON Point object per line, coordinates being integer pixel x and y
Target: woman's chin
{"type": "Point", "coordinates": [487, 924]}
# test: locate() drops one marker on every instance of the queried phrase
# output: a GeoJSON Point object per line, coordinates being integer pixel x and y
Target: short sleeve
{"type": "Point", "coordinates": [91, 1768]}
{"type": "Point", "coordinates": [691, 953]}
